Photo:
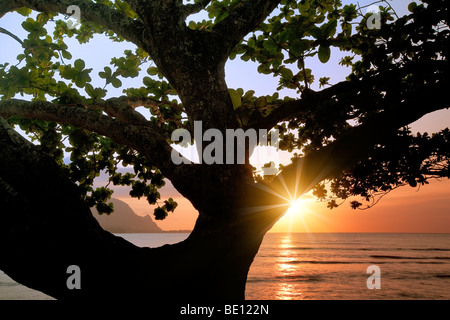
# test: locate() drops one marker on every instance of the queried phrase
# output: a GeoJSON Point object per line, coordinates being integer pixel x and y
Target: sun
{"type": "Point", "coordinates": [296, 217]}
{"type": "Point", "coordinates": [297, 207]}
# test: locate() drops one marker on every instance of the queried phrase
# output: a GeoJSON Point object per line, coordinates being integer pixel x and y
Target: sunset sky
{"type": "Point", "coordinates": [404, 210]}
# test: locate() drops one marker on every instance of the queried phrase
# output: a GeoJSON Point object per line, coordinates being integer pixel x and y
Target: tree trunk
{"type": "Point", "coordinates": [45, 227]}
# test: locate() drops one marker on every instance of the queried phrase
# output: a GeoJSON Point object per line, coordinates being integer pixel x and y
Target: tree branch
{"type": "Point", "coordinates": [134, 4]}
{"type": "Point", "coordinates": [12, 35]}
{"type": "Point", "coordinates": [123, 109]}
{"type": "Point", "coordinates": [146, 139]}
{"type": "Point", "coordinates": [358, 141]}
{"type": "Point", "coordinates": [288, 110]}
{"type": "Point", "coordinates": [189, 9]}
{"type": "Point", "coordinates": [32, 207]}
{"type": "Point", "coordinates": [7, 6]}
{"type": "Point", "coordinates": [304, 173]}
{"type": "Point", "coordinates": [243, 19]}
{"type": "Point", "coordinates": [353, 91]}
{"type": "Point", "coordinates": [131, 30]}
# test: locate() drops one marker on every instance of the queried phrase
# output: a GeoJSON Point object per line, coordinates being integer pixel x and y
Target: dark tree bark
{"type": "Point", "coordinates": [45, 226]}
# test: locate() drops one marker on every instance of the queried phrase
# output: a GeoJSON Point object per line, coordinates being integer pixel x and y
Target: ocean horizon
{"type": "Point", "coordinates": [325, 266]}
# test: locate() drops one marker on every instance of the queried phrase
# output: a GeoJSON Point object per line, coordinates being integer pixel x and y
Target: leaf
{"type": "Point", "coordinates": [170, 205]}
{"type": "Point", "coordinates": [251, 42]}
{"type": "Point", "coordinates": [330, 29]}
{"type": "Point", "coordinates": [28, 25]}
{"type": "Point", "coordinates": [270, 45]}
{"type": "Point", "coordinates": [249, 94]}
{"type": "Point", "coordinates": [236, 98]}
{"type": "Point", "coordinates": [323, 81]}
{"type": "Point", "coordinates": [355, 205]}
{"type": "Point", "coordinates": [24, 11]}
{"type": "Point", "coordinates": [412, 6]}
{"type": "Point", "coordinates": [153, 71]}
{"type": "Point", "coordinates": [110, 78]}
{"type": "Point", "coordinates": [261, 102]}
{"type": "Point", "coordinates": [152, 197]}
{"type": "Point", "coordinates": [192, 25]}
{"type": "Point", "coordinates": [66, 55]}
{"type": "Point", "coordinates": [79, 64]}
{"type": "Point", "coordinates": [286, 73]}
{"type": "Point", "coordinates": [105, 74]}
{"type": "Point", "coordinates": [222, 16]}
{"type": "Point", "coordinates": [89, 89]}
{"type": "Point", "coordinates": [332, 204]}
{"type": "Point", "coordinates": [116, 82]}
{"type": "Point", "coordinates": [324, 53]}
{"type": "Point", "coordinates": [304, 7]}
{"type": "Point", "coordinates": [316, 32]}
{"type": "Point", "coordinates": [264, 69]}
{"type": "Point", "coordinates": [160, 213]}
{"type": "Point", "coordinates": [94, 92]}
{"type": "Point", "coordinates": [319, 191]}
{"type": "Point", "coordinates": [103, 208]}
{"type": "Point", "coordinates": [298, 47]}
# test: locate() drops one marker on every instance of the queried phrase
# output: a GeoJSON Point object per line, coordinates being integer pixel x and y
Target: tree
{"type": "Point", "coordinates": [352, 135]}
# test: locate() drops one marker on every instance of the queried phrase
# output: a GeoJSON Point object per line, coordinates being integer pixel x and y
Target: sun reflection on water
{"type": "Point", "coordinates": [285, 290]}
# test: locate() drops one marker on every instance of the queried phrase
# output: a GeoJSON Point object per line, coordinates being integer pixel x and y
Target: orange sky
{"type": "Point", "coordinates": [403, 210]}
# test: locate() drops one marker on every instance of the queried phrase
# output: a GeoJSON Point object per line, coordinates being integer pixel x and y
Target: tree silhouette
{"type": "Point", "coordinates": [352, 135]}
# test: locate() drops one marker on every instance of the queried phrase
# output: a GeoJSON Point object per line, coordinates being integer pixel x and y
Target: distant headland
{"type": "Point", "coordinates": [125, 220]}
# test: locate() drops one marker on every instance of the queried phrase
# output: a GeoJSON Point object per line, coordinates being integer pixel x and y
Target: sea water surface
{"type": "Point", "coordinates": [315, 266]}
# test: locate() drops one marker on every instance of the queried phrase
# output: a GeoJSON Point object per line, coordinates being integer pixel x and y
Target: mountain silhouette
{"type": "Point", "coordinates": [125, 220]}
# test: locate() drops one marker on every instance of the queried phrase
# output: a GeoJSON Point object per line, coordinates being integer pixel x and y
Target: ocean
{"type": "Point", "coordinates": [331, 266]}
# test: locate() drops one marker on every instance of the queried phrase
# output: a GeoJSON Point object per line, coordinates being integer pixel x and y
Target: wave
{"type": "Point", "coordinates": [360, 249]}
{"type": "Point", "coordinates": [405, 258]}
{"type": "Point", "coordinates": [320, 262]}
{"type": "Point", "coordinates": [306, 278]}
{"type": "Point", "coordinates": [430, 249]}
{"type": "Point", "coordinates": [360, 262]}
{"type": "Point", "coordinates": [313, 278]}
{"type": "Point", "coordinates": [261, 280]}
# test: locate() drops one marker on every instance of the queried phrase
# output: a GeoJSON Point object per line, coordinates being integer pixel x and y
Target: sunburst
{"type": "Point", "coordinates": [297, 206]}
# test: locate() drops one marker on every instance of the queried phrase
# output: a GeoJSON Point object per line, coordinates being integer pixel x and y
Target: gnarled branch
{"type": "Point", "coordinates": [123, 108]}
{"type": "Point", "coordinates": [304, 173]}
{"type": "Point", "coordinates": [193, 8]}
{"type": "Point", "coordinates": [143, 137]}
